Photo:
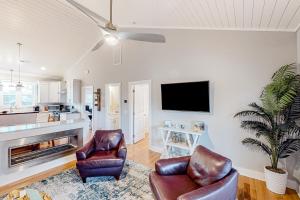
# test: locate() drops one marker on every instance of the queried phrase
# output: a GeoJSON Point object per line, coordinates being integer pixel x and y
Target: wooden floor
{"type": "Point", "coordinates": [248, 188]}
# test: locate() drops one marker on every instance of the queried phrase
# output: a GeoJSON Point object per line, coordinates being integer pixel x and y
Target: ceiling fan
{"type": "Point", "coordinates": [111, 33]}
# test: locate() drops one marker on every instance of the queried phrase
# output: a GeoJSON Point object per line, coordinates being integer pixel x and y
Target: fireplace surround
{"type": "Point", "coordinates": [30, 151]}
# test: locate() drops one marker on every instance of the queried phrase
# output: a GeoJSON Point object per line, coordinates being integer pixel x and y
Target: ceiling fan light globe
{"type": "Point", "coordinates": [111, 40]}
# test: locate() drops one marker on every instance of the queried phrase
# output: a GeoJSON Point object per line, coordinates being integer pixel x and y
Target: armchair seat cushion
{"type": "Point", "coordinates": [171, 187]}
{"type": "Point", "coordinates": [101, 159]}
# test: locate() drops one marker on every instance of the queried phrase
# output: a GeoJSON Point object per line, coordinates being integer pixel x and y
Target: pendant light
{"type": "Point", "coordinates": [19, 85]}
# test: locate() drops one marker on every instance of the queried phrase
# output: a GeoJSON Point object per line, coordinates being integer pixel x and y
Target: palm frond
{"type": "Point", "coordinates": [255, 126]}
{"type": "Point", "coordinates": [255, 115]}
{"type": "Point", "coordinates": [289, 147]}
{"type": "Point", "coordinates": [293, 130]}
{"type": "Point", "coordinates": [253, 143]}
{"type": "Point", "coordinates": [257, 107]}
{"type": "Point", "coordinates": [294, 111]}
{"type": "Point", "coordinates": [287, 99]}
{"type": "Point", "coordinates": [282, 91]}
{"type": "Point", "coordinates": [284, 71]}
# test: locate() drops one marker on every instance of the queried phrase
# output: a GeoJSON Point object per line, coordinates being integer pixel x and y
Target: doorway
{"type": "Point", "coordinates": [87, 108]}
{"type": "Point", "coordinates": [113, 106]}
{"type": "Point", "coordinates": [139, 110]}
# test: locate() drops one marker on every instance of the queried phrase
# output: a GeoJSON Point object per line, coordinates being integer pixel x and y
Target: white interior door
{"type": "Point", "coordinates": [112, 106]}
{"type": "Point", "coordinates": [87, 107]}
{"type": "Point", "coordinates": [140, 110]}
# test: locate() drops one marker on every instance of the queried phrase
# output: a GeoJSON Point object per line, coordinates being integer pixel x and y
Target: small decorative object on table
{"type": "Point", "coordinates": [27, 194]}
{"type": "Point", "coordinates": [181, 126]}
{"type": "Point", "coordinates": [168, 124]}
{"type": "Point", "coordinates": [198, 126]}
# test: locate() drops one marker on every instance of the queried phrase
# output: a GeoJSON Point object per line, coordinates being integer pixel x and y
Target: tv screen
{"type": "Point", "coordinates": [193, 96]}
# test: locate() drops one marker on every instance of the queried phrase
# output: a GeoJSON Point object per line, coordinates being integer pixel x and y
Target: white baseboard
{"type": "Point", "coordinates": [156, 149]}
{"type": "Point", "coordinates": [292, 184]}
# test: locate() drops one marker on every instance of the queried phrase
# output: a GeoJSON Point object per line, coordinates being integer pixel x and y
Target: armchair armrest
{"type": "Point", "coordinates": [122, 150]}
{"type": "Point", "coordinates": [172, 166]}
{"type": "Point", "coordinates": [224, 189]}
{"type": "Point", "coordinates": [84, 152]}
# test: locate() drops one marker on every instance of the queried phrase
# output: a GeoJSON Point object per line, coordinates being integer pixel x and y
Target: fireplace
{"type": "Point", "coordinates": [38, 149]}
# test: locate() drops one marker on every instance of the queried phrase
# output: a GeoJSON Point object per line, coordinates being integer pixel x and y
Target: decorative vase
{"type": "Point", "coordinates": [276, 182]}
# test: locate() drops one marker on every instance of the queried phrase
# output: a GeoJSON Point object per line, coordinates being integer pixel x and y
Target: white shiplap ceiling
{"type": "Point", "coordinates": [275, 15]}
{"type": "Point", "coordinates": [53, 33]}
{"type": "Point", "coordinates": [56, 35]}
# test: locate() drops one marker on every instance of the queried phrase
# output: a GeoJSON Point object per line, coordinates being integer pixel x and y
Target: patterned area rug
{"type": "Point", "coordinates": [68, 185]}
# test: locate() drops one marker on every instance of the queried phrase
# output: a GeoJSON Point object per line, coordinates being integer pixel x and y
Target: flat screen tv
{"type": "Point", "coordinates": [192, 96]}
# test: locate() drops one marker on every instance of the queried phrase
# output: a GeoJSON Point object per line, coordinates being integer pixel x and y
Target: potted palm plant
{"type": "Point", "coordinates": [274, 124]}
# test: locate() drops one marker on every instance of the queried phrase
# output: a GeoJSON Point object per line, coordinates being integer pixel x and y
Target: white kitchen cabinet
{"type": "Point", "coordinates": [43, 96]}
{"type": "Point", "coordinates": [74, 92]}
{"type": "Point", "coordinates": [49, 92]}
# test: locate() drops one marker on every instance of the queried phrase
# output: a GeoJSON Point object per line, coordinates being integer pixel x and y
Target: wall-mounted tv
{"type": "Point", "coordinates": [191, 96]}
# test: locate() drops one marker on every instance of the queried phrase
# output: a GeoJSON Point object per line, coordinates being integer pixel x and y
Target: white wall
{"type": "Point", "coordinates": [237, 64]}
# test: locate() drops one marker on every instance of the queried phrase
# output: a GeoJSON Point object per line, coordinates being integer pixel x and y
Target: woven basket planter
{"type": "Point", "coordinates": [276, 182]}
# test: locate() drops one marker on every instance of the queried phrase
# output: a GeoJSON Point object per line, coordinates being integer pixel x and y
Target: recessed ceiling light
{"type": "Point", "coordinates": [43, 68]}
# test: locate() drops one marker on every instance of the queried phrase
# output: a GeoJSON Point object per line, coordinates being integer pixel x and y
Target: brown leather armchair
{"type": "Point", "coordinates": [203, 176]}
{"type": "Point", "coordinates": [103, 155]}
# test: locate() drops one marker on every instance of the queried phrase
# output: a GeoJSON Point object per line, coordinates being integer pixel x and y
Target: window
{"type": "Point", "coordinates": [27, 97]}
{"type": "Point", "coordinates": [9, 100]}
{"type": "Point", "coordinates": [9, 95]}
{"type": "Point", "coordinates": [28, 94]}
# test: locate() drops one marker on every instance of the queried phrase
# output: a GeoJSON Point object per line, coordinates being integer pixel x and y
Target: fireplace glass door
{"type": "Point", "coordinates": [30, 152]}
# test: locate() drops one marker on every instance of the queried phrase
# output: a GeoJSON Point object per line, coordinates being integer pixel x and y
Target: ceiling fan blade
{"type": "Point", "coordinates": [145, 37]}
{"type": "Point", "coordinates": [98, 45]}
{"type": "Point", "coordinates": [88, 12]}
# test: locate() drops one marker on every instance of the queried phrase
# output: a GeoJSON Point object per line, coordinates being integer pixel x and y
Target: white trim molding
{"type": "Point", "coordinates": [156, 149]}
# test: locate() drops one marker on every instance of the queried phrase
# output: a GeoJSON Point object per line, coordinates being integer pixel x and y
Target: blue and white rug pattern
{"type": "Point", "coordinates": [134, 184]}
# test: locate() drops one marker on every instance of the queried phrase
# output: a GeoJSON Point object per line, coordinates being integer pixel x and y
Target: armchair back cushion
{"type": "Point", "coordinates": [206, 167]}
{"type": "Point", "coordinates": [106, 140]}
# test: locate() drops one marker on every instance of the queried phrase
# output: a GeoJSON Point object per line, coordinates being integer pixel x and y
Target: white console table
{"type": "Point", "coordinates": [191, 140]}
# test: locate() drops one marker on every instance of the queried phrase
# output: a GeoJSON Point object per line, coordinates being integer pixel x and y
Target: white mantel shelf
{"type": "Point", "coordinates": [28, 130]}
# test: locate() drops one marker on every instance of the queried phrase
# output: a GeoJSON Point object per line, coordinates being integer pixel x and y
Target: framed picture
{"type": "Point", "coordinates": [198, 126]}
{"type": "Point", "coordinates": [168, 124]}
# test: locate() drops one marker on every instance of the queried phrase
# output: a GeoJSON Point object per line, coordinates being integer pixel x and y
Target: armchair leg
{"type": "Point", "coordinates": [117, 177]}
{"type": "Point", "coordinates": [83, 179]}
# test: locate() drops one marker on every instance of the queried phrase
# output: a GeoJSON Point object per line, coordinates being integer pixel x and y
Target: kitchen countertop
{"type": "Point", "coordinates": [23, 127]}
{"type": "Point", "coordinates": [18, 113]}
{"type": "Point", "coordinates": [32, 112]}
{"type": "Point", "coordinates": [28, 130]}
